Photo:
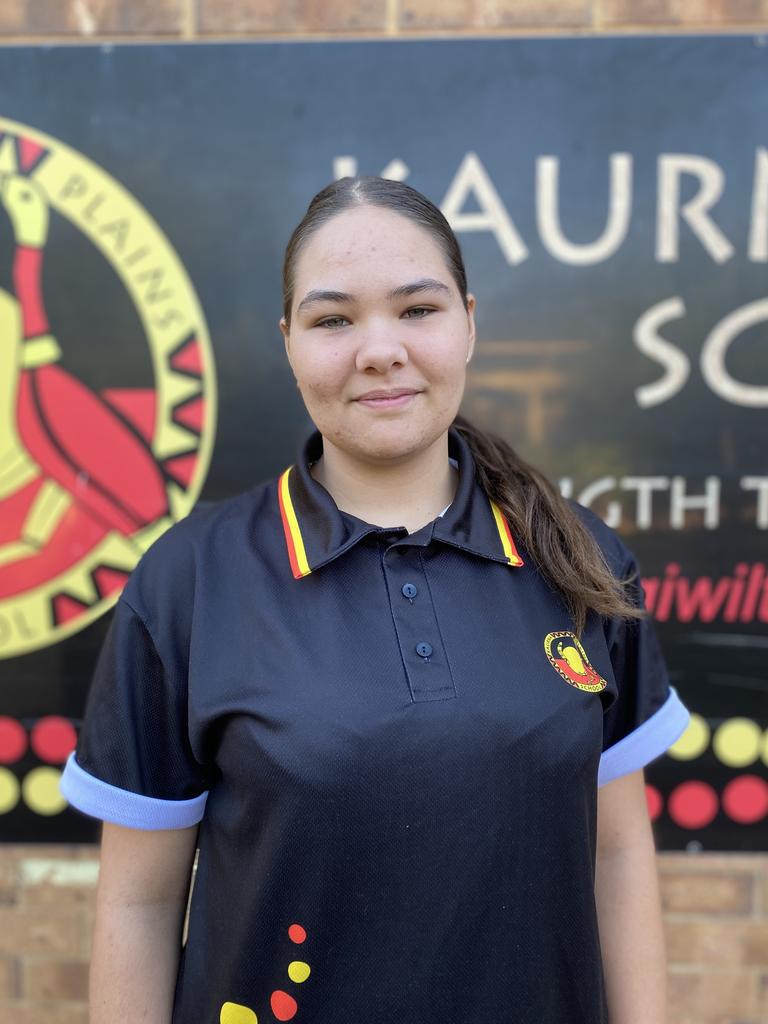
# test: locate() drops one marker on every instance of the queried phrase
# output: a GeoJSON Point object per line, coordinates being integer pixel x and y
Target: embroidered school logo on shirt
{"type": "Point", "coordinates": [568, 657]}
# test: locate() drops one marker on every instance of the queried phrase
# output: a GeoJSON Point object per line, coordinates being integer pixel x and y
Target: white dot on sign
{"type": "Point", "coordinates": [737, 742]}
{"type": "Point", "coordinates": [298, 971]}
{"type": "Point", "coordinates": [235, 1013]}
{"type": "Point", "coordinates": [9, 790]}
{"type": "Point", "coordinates": [693, 742]}
{"type": "Point", "coordinates": [40, 790]}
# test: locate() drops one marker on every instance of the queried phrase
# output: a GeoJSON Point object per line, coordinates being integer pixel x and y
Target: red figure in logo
{"type": "Point", "coordinates": [573, 666]}
{"type": "Point", "coordinates": [73, 466]}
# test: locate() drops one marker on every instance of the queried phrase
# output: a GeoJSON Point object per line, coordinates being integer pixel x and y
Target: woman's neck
{"type": "Point", "coordinates": [410, 493]}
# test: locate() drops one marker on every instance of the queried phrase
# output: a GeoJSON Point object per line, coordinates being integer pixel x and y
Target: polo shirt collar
{"type": "Point", "coordinates": [316, 531]}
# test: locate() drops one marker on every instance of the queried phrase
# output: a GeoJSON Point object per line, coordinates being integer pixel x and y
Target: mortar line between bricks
{"type": "Point", "coordinates": [393, 16]}
{"type": "Point", "coordinates": [188, 18]}
{"type": "Point", "coordinates": [618, 31]}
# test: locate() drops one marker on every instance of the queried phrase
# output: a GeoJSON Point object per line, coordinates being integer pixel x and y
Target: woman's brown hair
{"type": "Point", "coordinates": [562, 547]}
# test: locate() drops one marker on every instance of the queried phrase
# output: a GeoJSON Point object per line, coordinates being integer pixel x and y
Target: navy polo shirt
{"type": "Point", "coordinates": [392, 743]}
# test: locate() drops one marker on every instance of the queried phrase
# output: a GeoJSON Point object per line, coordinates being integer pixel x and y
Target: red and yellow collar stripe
{"type": "Point", "coordinates": [505, 536]}
{"type": "Point", "coordinates": [295, 542]}
{"type": "Point", "coordinates": [293, 539]}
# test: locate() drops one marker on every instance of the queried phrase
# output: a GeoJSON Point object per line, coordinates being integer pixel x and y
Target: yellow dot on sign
{"type": "Point", "coordinates": [693, 742]}
{"type": "Point", "coordinates": [764, 754]}
{"type": "Point", "coordinates": [40, 790]}
{"type": "Point", "coordinates": [737, 742]}
{"type": "Point", "coordinates": [9, 790]}
{"type": "Point", "coordinates": [234, 1013]}
{"type": "Point", "coordinates": [298, 971]}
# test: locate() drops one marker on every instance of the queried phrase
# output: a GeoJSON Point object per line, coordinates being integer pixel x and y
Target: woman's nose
{"type": "Point", "coordinates": [380, 347]}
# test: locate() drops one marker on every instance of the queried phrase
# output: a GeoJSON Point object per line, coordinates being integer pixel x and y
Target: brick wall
{"type": "Point", "coordinates": [30, 20]}
{"type": "Point", "coordinates": [715, 905]}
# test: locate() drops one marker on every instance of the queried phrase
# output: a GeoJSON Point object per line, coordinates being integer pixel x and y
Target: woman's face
{"type": "Point", "coordinates": [375, 309]}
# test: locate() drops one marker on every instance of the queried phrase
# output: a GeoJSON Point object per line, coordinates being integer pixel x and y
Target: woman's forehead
{"type": "Point", "coordinates": [363, 239]}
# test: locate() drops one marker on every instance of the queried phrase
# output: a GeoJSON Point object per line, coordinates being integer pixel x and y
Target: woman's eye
{"type": "Point", "coordinates": [329, 321]}
{"type": "Point", "coordinates": [414, 313]}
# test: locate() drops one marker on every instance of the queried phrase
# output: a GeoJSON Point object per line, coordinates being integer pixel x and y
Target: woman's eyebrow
{"type": "Point", "coordinates": [424, 284]}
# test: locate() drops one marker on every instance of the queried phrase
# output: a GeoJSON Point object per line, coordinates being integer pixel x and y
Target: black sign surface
{"type": "Point", "coordinates": [611, 199]}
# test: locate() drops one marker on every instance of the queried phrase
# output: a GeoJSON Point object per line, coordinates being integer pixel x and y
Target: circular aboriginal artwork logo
{"type": "Point", "coordinates": [93, 466]}
{"type": "Point", "coordinates": [569, 658]}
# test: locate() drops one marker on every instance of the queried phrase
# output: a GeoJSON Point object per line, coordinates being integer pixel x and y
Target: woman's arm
{"type": "Point", "coordinates": [629, 905]}
{"type": "Point", "coordinates": [141, 901]}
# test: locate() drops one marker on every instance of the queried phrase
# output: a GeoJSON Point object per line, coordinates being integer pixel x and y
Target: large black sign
{"type": "Point", "coordinates": [611, 199]}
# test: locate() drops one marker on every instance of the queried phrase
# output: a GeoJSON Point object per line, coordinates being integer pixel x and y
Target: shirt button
{"type": "Point", "coordinates": [409, 590]}
{"type": "Point", "coordinates": [424, 649]}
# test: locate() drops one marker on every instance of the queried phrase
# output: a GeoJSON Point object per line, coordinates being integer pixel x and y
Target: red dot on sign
{"type": "Point", "coordinates": [654, 800]}
{"type": "Point", "coordinates": [283, 1006]}
{"type": "Point", "coordinates": [53, 738]}
{"type": "Point", "coordinates": [296, 933]}
{"type": "Point", "coordinates": [745, 799]}
{"type": "Point", "coordinates": [13, 740]}
{"type": "Point", "coordinates": [692, 804]}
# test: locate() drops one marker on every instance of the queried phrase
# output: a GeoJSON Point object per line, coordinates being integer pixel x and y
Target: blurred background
{"type": "Point", "coordinates": [605, 166]}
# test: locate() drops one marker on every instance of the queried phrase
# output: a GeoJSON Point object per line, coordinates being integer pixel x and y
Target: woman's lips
{"type": "Point", "coordinates": [392, 402]}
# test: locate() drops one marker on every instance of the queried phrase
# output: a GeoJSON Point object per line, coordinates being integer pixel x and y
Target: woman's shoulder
{"type": "Point", "coordinates": [171, 562]}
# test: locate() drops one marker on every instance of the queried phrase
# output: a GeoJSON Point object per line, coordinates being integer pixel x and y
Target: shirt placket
{"type": "Point", "coordinates": [415, 620]}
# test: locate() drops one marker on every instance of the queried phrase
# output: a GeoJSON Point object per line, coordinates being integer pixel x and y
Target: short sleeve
{"type": "Point", "coordinates": [647, 716]}
{"type": "Point", "coordinates": [133, 764]}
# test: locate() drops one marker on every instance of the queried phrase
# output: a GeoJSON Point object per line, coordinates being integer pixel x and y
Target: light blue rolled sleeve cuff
{"type": "Point", "coordinates": [101, 800]}
{"type": "Point", "coordinates": [647, 742]}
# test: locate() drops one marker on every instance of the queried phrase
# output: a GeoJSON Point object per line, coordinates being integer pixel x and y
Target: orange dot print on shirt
{"type": "Point", "coordinates": [296, 933]}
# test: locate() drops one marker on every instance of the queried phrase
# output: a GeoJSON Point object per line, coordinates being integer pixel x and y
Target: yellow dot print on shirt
{"type": "Point", "coordinates": [737, 742]}
{"type": "Point", "coordinates": [298, 971]}
{"type": "Point", "coordinates": [234, 1013]}
{"type": "Point", "coordinates": [693, 742]}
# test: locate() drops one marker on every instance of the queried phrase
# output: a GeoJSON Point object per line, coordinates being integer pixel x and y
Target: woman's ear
{"type": "Point", "coordinates": [471, 305]}
{"type": "Point", "coordinates": [286, 338]}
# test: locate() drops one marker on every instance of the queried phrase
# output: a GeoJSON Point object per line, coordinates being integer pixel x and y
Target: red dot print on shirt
{"type": "Point", "coordinates": [53, 738]}
{"type": "Point", "coordinates": [283, 1006]}
{"type": "Point", "coordinates": [296, 933]}
{"type": "Point", "coordinates": [13, 740]}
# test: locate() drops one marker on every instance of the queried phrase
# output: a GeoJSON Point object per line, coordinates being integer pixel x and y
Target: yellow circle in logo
{"type": "Point", "coordinates": [89, 478]}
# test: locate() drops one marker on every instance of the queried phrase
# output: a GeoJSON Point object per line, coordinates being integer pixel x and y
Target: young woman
{"type": "Point", "coordinates": [400, 697]}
